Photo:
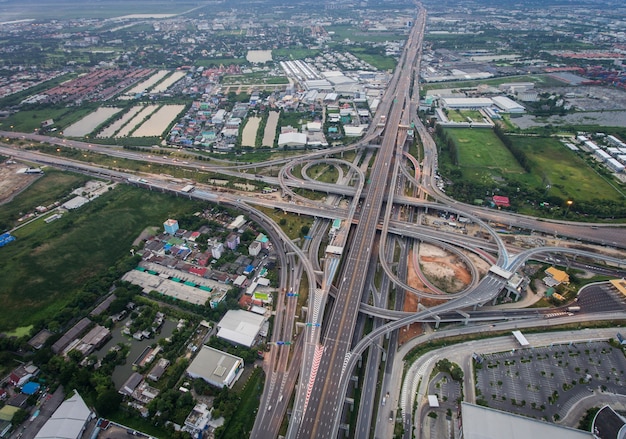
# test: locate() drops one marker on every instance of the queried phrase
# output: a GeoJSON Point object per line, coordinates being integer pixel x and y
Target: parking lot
{"type": "Point", "coordinates": [600, 298]}
{"type": "Point", "coordinates": [545, 382]}
{"type": "Point", "coordinates": [448, 393]}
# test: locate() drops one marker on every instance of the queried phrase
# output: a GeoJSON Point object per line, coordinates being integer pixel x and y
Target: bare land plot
{"type": "Point", "coordinates": [12, 182]}
{"type": "Point", "coordinates": [115, 126]}
{"type": "Point", "coordinates": [259, 56]}
{"type": "Point", "coordinates": [158, 121]}
{"type": "Point", "coordinates": [147, 110]}
{"type": "Point", "coordinates": [248, 137]}
{"type": "Point", "coordinates": [270, 129]}
{"type": "Point", "coordinates": [90, 122]}
{"type": "Point", "coordinates": [168, 82]}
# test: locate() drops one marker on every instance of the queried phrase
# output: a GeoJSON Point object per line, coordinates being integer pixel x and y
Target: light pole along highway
{"type": "Point", "coordinates": [324, 403]}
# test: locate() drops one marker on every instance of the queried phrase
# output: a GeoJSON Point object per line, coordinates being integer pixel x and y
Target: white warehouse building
{"type": "Point", "coordinates": [601, 155]}
{"type": "Point", "coordinates": [508, 105]}
{"type": "Point", "coordinates": [240, 327]}
{"type": "Point", "coordinates": [615, 165]}
{"type": "Point", "coordinates": [466, 103]}
{"type": "Point", "coordinates": [217, 368]}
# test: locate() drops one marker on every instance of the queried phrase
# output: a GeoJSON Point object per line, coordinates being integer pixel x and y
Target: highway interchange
{"type": "Point", "coordinates": [311, 378]}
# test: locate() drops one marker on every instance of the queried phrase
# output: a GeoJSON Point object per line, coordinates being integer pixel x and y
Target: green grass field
{"type": "Point", "coordinates": [482, 154]}
{"type": "Point", "coordinates": [295, 53]}
{"type": "Point", "coordinates": [567, 173]}
{"type": "Point", "coordinates": [29, 120]}
{"type": "Point", "coordinates": [43, 269]}
{"type": "Point", "coordinates": [463, 115]}
{"type": "Point", "coordinates": [541, 80]}
{"type": "Point", "coordinates": [343, 31]}
{"type": "Point", "coordinates": [381, 62]}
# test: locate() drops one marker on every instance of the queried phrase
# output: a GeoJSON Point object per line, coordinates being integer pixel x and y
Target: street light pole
{"type": "Point", "coordinates": [569, 204]}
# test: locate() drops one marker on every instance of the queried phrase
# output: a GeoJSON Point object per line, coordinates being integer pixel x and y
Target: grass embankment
{"type": "Point", "coordinates": [45, 268]}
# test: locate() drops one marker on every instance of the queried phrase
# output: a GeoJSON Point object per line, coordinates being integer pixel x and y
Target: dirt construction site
{"type": "Point", "coordinates": [437, 266]}
{"type": "Point", "coordinates": [13, 181]}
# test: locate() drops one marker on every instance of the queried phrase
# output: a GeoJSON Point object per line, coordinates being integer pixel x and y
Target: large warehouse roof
{"type": "Point", "coordinates": [466, 102]}
{"type": "Point", "coordinates": [216, 367]}
{"type": "Point", "coordinates": [487, 423]}
{"type": "Point", "coordinates": [509, 105]}
{"type": "Point", "coordinates": [292, 139]}
{"type": "Point", "coordinates": [68, 421]}
{"type": "Point", "coordinates": [241, 327]}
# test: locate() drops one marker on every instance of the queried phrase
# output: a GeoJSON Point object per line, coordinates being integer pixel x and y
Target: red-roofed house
{"type": "Point", "coordinates": [198, 271]}
{"type": "Point", "coordinates": [23, 374]}
{"type": "Point", "coordinates": [501, 201]}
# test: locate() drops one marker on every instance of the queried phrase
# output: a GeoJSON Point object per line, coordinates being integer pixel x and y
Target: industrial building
{"type": "Point", "coordinates": [68, 421]}
{"type": "Point", "coordinates": [466, 103]}
{"type": "Point", "coordinates": [292, 139]}
{"type": "Point", "coordinates": [508, 105]}
{"type": "Point", "coordinates": [217, 368]}
{"type": "Point", "coordinates": [480, 422]}
{"type": "Point", "coordinates": [240, 327]}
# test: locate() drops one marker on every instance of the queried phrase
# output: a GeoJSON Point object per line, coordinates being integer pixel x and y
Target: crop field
{"type": "Point", "coordinates": [248, 136]}
{"type": "Point", "coordinates": [119, 123]}
{"type": "Point", "coordinates": [158, 121]}
{"type": "Point", "coordinates": [90, 122]}
{"type": "Point", "coordinates": [135, 121]}
{"type": "Point", "coordinates": [168, 82]}
{"type": "Point", "coordinates": [270, 129]}
{"type": "Point", "coordinates": [566, 172]}
{"type": "Point", "coordinates": [148, 83]}
{"type": "Point", "coordinates": [480, 151]}
{"type": "Point", "coordinates": [44, 269]}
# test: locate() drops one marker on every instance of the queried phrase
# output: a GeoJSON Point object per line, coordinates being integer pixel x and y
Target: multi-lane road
{"type": "Point", "coordinates": [325, 364]}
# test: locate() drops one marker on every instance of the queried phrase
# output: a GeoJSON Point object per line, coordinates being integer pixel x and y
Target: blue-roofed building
{"type": "Point", "coordinates": [249, 269]}
{"type": "Point", "coordinates": [5, 238]}
{"type": "Point", "coordinates": [30, 388]}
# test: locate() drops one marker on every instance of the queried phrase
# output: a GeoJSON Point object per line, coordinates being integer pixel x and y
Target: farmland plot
{"type": "Point", "coordinates": [168, 82]}
{"type": "Point", "coordinates": [158, 121]}
{"type": "Point", "coordinates": [270, 129]}
{"type": "Point", "coordinates": [148, 83]}
{"type": "Point", "coordinates": [115, 126]}
{"type": "Point", "coordinates": [139, 117]}
{"type": "Point", "coordinates": [248, 136]}
{"type": "Point", "coordinates": [90, 122]}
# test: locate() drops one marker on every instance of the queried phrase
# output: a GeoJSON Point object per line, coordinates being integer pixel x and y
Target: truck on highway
{"type": "Point", "coordinates": [385, 399]}
{"type": "Point", "coordinates": [573, 308]}
{"type": "Point", "coordinates": [382, 121]}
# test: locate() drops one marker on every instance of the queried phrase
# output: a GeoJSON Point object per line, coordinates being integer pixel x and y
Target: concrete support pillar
{"type": "Point", "coordinates": [464, 314]}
